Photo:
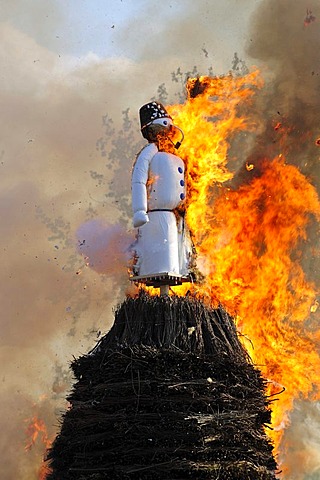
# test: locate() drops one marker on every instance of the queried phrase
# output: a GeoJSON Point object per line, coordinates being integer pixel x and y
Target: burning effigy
{"type": "Point", "coordinates": [163, 251]}
{"type": "Point", "coordinates": [170, 391]}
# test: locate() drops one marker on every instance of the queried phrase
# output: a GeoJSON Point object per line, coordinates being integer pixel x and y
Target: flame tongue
{"type": "Point", "coordinates": [248, 239]}
{"type": "Point", "coordinates": [254, 232]}
{"type": "Point", "coordinates": [37, 431]}
{"type": "Point", "coordinates": [36, 428]}
{"type": "Point", "coordinates": [209, 121]}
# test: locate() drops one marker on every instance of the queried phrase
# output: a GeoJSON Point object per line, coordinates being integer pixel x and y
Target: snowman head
{"type": "Point", "coordinates": [156, 122]}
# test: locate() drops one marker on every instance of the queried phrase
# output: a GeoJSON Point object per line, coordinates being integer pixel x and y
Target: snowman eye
{"type": "Point", "coordinates": [165, 122]}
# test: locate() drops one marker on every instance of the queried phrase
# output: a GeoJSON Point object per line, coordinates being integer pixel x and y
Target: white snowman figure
{"type": "Point", "coordinates": [158, 199]}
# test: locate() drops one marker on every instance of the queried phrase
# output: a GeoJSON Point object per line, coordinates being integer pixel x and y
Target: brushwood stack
{"type": "Point", "coordinates": [168, 393]}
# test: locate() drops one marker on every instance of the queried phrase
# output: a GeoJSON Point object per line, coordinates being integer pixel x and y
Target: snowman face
{"type": "Point", "coordinates": [165, 122]}
{"type": "Point", "coordinates": [161, 127]}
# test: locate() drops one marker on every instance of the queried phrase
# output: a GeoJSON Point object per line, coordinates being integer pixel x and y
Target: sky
{"type": "Point", "coordinates": [69, 71]}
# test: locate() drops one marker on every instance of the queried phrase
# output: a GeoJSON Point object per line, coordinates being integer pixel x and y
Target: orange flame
{"type": "Point", "coordinates": [248, 239]}
{"type": "Point", "coordinates": [37, 430]}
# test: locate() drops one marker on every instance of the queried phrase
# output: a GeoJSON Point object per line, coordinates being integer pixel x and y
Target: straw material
{"type": "Point", "coordinates": [168, 393]}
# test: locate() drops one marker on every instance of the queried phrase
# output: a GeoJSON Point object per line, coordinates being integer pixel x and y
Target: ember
{"type": "Point", "coordinates": [249, 166]}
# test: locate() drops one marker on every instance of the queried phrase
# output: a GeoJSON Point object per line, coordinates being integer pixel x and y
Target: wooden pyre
{"type": "Point", "coordinates": [168, 393]}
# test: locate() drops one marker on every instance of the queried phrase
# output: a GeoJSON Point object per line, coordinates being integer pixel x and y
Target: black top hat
{"type": "Point", "coordinates": [151, 111]}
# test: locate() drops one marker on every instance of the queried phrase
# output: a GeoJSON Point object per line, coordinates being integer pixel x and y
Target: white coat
{"type": "Point", "coordinates": [158, 189]}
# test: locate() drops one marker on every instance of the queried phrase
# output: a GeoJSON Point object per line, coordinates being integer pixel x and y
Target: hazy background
{"type": "Point", "coordinates": [69, 72]}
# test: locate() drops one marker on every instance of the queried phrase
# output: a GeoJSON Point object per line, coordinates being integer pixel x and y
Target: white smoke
{"type": "Point", "coordinates": [105, 247]}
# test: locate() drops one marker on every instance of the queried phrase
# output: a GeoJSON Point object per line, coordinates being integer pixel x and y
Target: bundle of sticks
{"type": "Point", "coordinates": [168, 393]}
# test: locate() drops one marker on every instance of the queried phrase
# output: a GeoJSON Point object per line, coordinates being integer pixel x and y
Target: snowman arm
{"type": "Point", "coordinates": [140, 175]}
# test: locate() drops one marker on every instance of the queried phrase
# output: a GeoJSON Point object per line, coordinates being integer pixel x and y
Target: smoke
{"type": "Point", "coordinates": [285, 44]}
{"type": "Point", "coordinates": [302, 441]}
{"type": "Point", "coordinates": [190, 33]}
{"type": "Point", "coordinates": [105, 248]}
{"type": "Point", "coordinates": [54, 178]}
{"type": "Point", "coordinates": [52, 304]}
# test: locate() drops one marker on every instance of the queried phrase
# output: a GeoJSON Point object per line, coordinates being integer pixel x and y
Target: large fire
{"type": "Point", "coordinates": [248, 239]}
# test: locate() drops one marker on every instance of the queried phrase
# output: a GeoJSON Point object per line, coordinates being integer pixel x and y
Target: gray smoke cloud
{"type": "Point", "coordinates": [284, 39]}
{"type": "Point", "coordinates": [49, 129]}
{"type": "Point", "coordinates": [60, 153]}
